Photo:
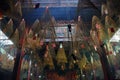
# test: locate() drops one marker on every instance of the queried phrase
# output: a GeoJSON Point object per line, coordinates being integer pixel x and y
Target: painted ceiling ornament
{"type": "Point", "coordinates": [15, 37]}
{"type": "Point", "coordinates": [53, 20]}
{"type": "Point", "coordinates": [77, 54]}
{"type": "Point", "coordinates": [30, 33]}
{"type": "Point", "coordinates": [32, 40]}
{"type": "Point", "coordinates": [98, 26]}
{"type": "Point", "coordinates": [48, 60]}
{"type": "Point", "coordinates": [25, 64]}
{"type": "Point", "coordinates": [88, 66]}
{"type": "Point", "coordinates": [71, 63]}
{"type": "Point", "coordinates": [8, 30]}
{"type": "Point", "coordinates": [104, 9]}
{"type": "Point", "coordinates": [33, 43]}
{"type": "Point", "coordinates": [82, 62]}
{"type": "Point", "coordinates": [75, 50]}
{"type": "Point", "coordinates": [22, 33]}
{"type": "Point", "coordinates": [61, 56]}
{"type": "Point", "coordinates": [94, 39]}
{"type": "Point", "coordinates": [111, 26]}
{"type": "Point", "coordinates": [22, 28]}
{"type": "Point", "coordinates": [36, 59]}
{"type": "Point", "coordinates": [36, 26]}
{"type": "Point", "coordinates": [18, 8]}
